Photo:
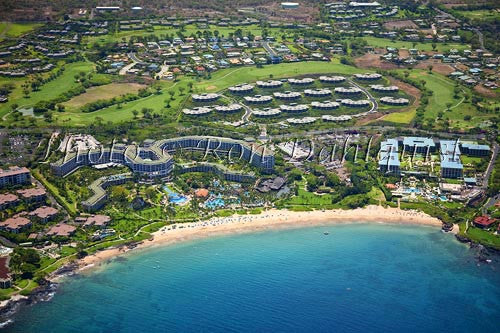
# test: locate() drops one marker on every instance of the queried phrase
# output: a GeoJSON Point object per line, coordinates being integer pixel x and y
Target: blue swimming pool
{"type": "Point", "coordinates": [174, 197]}
{"type": "Point", "coordinates": [215, 203]}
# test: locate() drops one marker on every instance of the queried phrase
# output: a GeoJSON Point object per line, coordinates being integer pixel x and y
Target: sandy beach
{"type": "Point", "coordinates": [271, 219]}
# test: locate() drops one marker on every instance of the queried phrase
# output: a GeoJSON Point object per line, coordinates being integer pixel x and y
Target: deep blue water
{"type": "Point", "coordinates": [359, 278]}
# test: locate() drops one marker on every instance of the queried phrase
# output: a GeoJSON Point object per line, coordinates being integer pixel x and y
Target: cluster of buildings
{"type": "Point", "coordinates": [154, 159]}
{"type": "Point", "coordinates": [349, 11]}
{"type": "Point", "coordinates": [34, 201]}
{"type": "Point", "coordinates": [449, 154]}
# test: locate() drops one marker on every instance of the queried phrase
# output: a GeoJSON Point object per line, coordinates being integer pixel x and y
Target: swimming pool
{"type": "Point", "coordinates": [174, 197]}
{"type": "Point", "coordinates": [215, 203]}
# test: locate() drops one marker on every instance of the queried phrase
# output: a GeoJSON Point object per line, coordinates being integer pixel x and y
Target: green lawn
{"type": "Point", "coordinates": [480, 14]}
{"type": "Point", "coordinates": [440, 47]}
{"type": "Point", "coordinates": [443, 93]}
{"type": "Point", "coordinates": [48, 91]}
{"type": "Point", "coordinates": [8, 29]}
{"type": "Point", "coordinates": [400, 117]}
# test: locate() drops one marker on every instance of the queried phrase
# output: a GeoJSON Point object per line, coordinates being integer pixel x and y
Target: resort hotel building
{"type": "Point", "coordinates": [451, 166]}
{"type": "Point", "coordinates": [287, 95]}
{"type": "Point", "coordinates": [205, 97]}
{"type": "Point", "coordinates": [389, 158]}
{"type": "Point", "coordinates": [301, 121]}
{"type": "Point", "coordinates": [266, 112]}
{"type": "Point", "coordinates": [473, 149]}
{"type": "Point", "coordinates": [155, 160]}
{"type": "Point", "coordinates": [347, 91]}
{"type": "Point", "coordinates": [351, 103]}
{"type": "Point", "coordinates": [235, 107]}
{"type": "Point", "coordinates": [258, 99]}
{"type": "Point", "coordinates": [269, 84]}
{"type": "Point", "coordinates": [294, 108]}
{"type": "Point", "coordinates": [325, 105]}
{"type": "Point", "coordinates": [197, 111]}
{"type": "Point", "coordinates": [382, 88]}
{"type": "Point", "coordinates": [14, 176]}
{"type": "Point", "coordinates": [368, 76]}
{"type": "Point", "coordinates": [394, 101]}
{"type": "Point", "coordinates": [301, 82]}
{"type": "Point", "coordinates": [328, 117]}
{"type": "Point", "coordinates": [331, 79]}
{"type": "Point", "coordinates": [241, 89]}
{"type": "Point", "coordinates": [317, 92]}
{"type": "Point", "coordinates": [418, 145]}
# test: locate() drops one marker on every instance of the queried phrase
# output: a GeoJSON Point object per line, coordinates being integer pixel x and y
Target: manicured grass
{"type": "Point", "coordinates": [376, 194]}
{"type": "Point", "coordinates": [400, 117]}
{"type": "Point", "coordinates": [55, 192]}
{"type": "Point", "coordinates": [440, 47]}
{"type": "Point", "coordinates": [443, 93]}
{"type": "Point", "coordinates": [49, 90]}
{"type": "Point", "coordinates": [483, 237]}
{"type": "Point", "coordinates": [8, 29]}
{"type": "Point", "coordinates": [480, 14]}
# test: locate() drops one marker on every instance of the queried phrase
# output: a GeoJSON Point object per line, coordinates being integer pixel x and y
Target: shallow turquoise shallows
{"type": "Point", "coordinates": [358, 278]}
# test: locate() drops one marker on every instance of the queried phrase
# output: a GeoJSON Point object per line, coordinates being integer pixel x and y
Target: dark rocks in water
{"type": "Point", "coordinates": [447, 227]}
{"type": "Point", "coordinates": [43, 293]}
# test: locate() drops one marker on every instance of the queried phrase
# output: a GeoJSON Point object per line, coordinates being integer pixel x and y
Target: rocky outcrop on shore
{"type": "Point", "coordinates": [482, 253]}
{"type": "Point", "coordinates": [43, 293]}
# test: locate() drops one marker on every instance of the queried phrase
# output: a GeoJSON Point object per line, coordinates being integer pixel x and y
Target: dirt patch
{"type": "Point", "coordinates": [485, 91]}
{"type": "Point", "coordinates": [437, 66]}
{"type": "Point", "coordinates": [371, 60]}
{"type": "Point", "coordinates": [403, 24]}
{"type": "Point", "coordinates": [107, 91]}
{"type": "Point", "coordinates": [403, 53]}
{"type": "Point", "coordinates": [210, 88]}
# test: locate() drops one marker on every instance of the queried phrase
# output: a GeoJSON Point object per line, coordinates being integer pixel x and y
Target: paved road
{"type": "Point", "coordinates": [491, 165]}
{"type": "Point", "coordinates": [269, 49]}
{"type": "Point", "coordinates": [134, 59]}
{"type": "Point", "coordinates": [368, 94]}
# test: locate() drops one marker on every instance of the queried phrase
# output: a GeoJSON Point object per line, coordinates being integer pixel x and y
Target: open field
{"type": "Point", "coordinates": [480, 14]}
{"type": "Point", "coordinates": [404, 117]}
{"type": "Point", "coordinates": [107, 91]}
{"type": "Point", "coordinates": [440, 47]}
{"type": "Point", "coordinates": [8, 29]}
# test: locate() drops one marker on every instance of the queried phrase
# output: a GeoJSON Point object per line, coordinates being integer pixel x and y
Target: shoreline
{"type": "Point", "coordinates": [273, 219]}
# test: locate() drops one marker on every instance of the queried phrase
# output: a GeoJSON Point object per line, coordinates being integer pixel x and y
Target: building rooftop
{"type": "Point", "coordinates": [31, 192]}
{"type": "Point", "coordinates": [15, 223]}
{"type": "Point", "coordinates": [484, 220]}
{"type": "Point", "coordinates": [44, 212]}
{"type": "Point", "coordinates": [7, 198]}
{"type": "Point", "coordinates": [61, 229]}
{"type": "Point", "coordinates": [12, 171]}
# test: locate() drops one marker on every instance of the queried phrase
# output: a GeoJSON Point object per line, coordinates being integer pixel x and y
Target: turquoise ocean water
{"type": "Point", "coordinates": [359, 278]}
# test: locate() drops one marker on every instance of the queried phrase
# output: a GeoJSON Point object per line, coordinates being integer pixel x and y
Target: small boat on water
{"type": "Point", "coordinates": [326, 233]}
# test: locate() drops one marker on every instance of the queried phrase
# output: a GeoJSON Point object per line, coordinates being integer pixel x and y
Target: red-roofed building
{"type": "Point", "coordinates": [61, 229]}
{"type": "Point", "coordinates": [484, 221]}
{"type": "Point", "coordinates": [8, 200]}
{"type": "Point", "coordinates": [44, 213]}
{"type": "Point", "coordinates": [97, 220]}
{"type": "Point", "coordinates": [15, 224]}
{"type": "Point", "coordinates": [14, 176]}
{"type": "Point", "coordinates": [33, 194]}
{"type": "Point", "coordinates": [5, 278]}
